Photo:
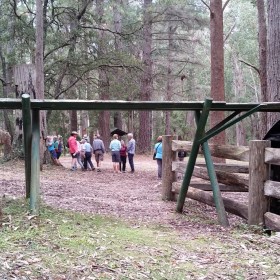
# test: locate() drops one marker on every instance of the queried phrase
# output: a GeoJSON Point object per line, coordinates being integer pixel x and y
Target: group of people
{"type": "Point", "coordinates": [120, 152]}
{"type": "Point", "coordinates": [81, 152]}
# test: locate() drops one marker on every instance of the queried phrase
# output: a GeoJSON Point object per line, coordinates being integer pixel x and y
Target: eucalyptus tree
{"type": "Point", "coordinates": [273, 56]}
{"type": "Point", "coordinates": [177, 34]}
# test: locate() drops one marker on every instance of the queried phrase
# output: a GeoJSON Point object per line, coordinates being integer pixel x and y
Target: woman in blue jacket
{"type": "Point", "coordinates": [158, 152]}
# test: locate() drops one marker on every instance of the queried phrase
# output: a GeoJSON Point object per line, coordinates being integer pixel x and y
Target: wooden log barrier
{"type": "Point", "coordinates": [240, 153]}
{"type": "Point", "coordinates": [272, 221]}
{"type": "Point", "coordinates": [231, 205]}
{"type": "Point", "coordinates": [180, 166]}
{"type": "Point", "coordinates": [258, 174]}
{"type": "Point", "coordinates": [272, 189]}
{"type": "Point", "coordinates": [241, 180]}
{"type": "Point", "coordinates": [272, 156]}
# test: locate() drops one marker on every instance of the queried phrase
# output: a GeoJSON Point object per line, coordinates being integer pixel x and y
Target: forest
{"type": "Point", "coordinates": [161, 50]}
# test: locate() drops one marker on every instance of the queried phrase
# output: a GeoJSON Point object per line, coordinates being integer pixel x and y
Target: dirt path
{"type": "Point", "coordinates": [135, 197]}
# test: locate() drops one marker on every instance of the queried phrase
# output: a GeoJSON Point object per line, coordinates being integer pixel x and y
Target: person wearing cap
{"type": "Point", "coordinates": [73, 149]}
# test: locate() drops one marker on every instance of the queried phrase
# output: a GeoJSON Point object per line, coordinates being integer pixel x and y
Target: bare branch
{"type": "Point", "coordinates": [206, 5]}
{"type": "Point", "coordinates": [225, 4]}
{"type": "Point", "coordinates": [250, 65]}
{"type": "Point", "coordinates": [57, 48]}
{"type": "Point", "coordinates": [230, 31]}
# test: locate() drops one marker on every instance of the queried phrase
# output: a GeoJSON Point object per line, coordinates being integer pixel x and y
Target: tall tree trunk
{"type": "Point", "coordinates": [238, 91]}
{"type": "Point", "coordinates": [103, 79]}
{"type": "Point", "coordinates": [117, 6]}
{"type": "Point", "coordinates": [273, 56]}
{"type": "Point", "coordinates": [169, 86]}
{"type": "Point", "coordinates": [262, 37]}
{"type": "Point", "coordinates": [144, 140]}
{"type": "Point", "coordinates": [217, 63]}
{"type": "Point", "coordinates": [6, 89]}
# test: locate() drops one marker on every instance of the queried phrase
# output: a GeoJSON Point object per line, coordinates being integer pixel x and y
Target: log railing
{"type": "Point", "coordinates": [251, 174]}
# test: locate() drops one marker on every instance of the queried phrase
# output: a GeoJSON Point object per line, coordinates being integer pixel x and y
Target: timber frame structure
{"type": "Point", "coordinates": [31, 128]}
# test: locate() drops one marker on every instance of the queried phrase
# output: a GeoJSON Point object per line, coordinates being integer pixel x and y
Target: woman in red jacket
{"type": "Point", "coordinates": [73, 149]}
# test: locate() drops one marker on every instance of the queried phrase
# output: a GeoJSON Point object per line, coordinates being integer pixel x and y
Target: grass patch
{"type": "Point", "coordinates": [67, 245]}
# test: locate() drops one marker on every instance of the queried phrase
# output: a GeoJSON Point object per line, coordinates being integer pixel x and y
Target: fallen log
{"type": "Point", "coordinates": [231, 205]}
{"type": "Point", "coordinates": [272, 221]}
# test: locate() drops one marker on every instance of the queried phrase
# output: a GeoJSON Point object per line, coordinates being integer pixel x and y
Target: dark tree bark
{"type": "Point", "coordinates": [273, 56]}
{"type": "Point", "coordinates": [144, 140]}
{"type": "Point", "coordinates": [118, 73]}
{"type": "Point", "coordinates": [103, 79]}
{"type": "Point", "coordinates": [217, 63]}
{"type": "Point", "coordinates": [262, 37]}
{"type": "Point", "coordinates": [169, 86]}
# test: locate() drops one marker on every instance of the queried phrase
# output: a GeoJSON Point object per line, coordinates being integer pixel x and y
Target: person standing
{"type": "Point", "coordinates": [58, 147]}
{"type": "Point", "coordinates": [131, 151]}
{"type": "Point", "coordinates": [115, 147]}
{"type": "Point", "coordinates": [73, 149]}
{"type": "Point", "coordinates": [98, 150]}
{"type": "Point", "coordinates": [88, 154]}
{"type": "Point", "coordinates": [51, 149]}
{"type": "Point", "coordinates": [158, 151]}
{"type": "Point", "coordinates": [123, 156]}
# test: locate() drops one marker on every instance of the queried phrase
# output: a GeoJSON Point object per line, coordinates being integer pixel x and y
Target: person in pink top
{"type": "Point", "coordinates": [73, 149]}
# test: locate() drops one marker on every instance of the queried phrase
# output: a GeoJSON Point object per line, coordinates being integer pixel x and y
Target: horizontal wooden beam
{"type": "Point", "coordinates": [272, 156]}
{"type": "Point", "coordinates": [240, 153]}
{"type": "Point", "coordinates": [180, 166]}
{"type": "Point", "coordinates": [231, 205]}
{"type": "Point", "coordinates": [64, 104]}
{"type": "Point", "coordinates": [272, 189]}
{"type": "Point", "coordinates": [272, 221]}
{"type": "Point", "coordinates": [207, 187]}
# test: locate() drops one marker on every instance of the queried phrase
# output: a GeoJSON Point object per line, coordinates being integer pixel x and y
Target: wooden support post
{"type": "Point", "coordinates": [168, 176]}
{"type": "Point", "coordinates": [35, 163]}
{"type": "Point", "coordinates": [193, 155]}
{"type": "Point", "coordinates": [27, 134]}
{"type": "Point", "coordinates": [258, 174]}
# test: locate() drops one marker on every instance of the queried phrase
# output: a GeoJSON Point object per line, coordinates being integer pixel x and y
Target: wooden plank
{"type": "Point", "coordinates": [272, 189]}
{"type": "Point", "coordinates": [205, 186]}
{"type": "Point", "coordinates": [234, 179]}
{"type": "Point", "coordinates": [272, 221]}
{"type": "Point", "coordinates": [272, 156]}
{"type": "Point", "coordinates": [240, 153]}
{"type": "Point", "coordinates": [258, 174]}
{"type": "Point", "coordinates": [231, 205]}
{"type": "Point", "coordinates": [180, 166]}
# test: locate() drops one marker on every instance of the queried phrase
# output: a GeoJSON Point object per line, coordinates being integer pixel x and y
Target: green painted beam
{"type": "Point", "coordinates": [193, 154]}
{"type": "Point", "coordinates": [213, 132]}
{"type": "Point", "coordinates": [27, 137]}
{"type": "Point", "coordinates": [35, 163]}
{"type": "Point", "coordinates": [50, 104]}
